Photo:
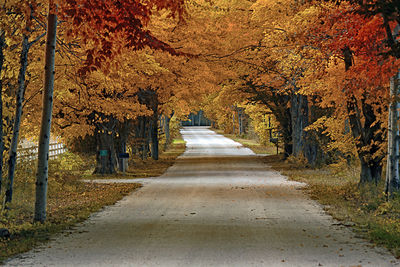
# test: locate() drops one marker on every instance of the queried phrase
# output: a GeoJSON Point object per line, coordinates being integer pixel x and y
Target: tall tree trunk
{"type": "Point", "coordinates": [147, 138]}
{"type": "Point", "coordinates": [144, 138]}
{"type": "Point", "coordinates": [392, 169]}
{"type": "Point", "coordinates": [2, 45]}
{"type": "Point", "coordinates": [233, 122]}
{"type": "Point", "coordinates": [240, 121]}
{"type": "Point", "coordinates": [143, 135]}
{"type": "Point", "coordinates": [154, 126]}
{"type": "Point", "coordinates": [154, 138]}
{"type": "Point", "coordinates": [12, 158]}
{"type": "Point", "coordinates": [368, 134]}
{"type": "Point", "coordinates": [122, 142]}
{"type": "Point", "coordinates": [167, 131]}
{"type": "Point", "coordinates": [392, 183]}
{"type": "Point", "coordinates": [123, 162]}
{"type": "Point", "coordinates": [200, 115]}
{"type": "Point", "coordinates": [299, 111]}
{"type": "Point", "coordinates": [105, 157]}
{"type": "Point", "coordinates": [312, 150]}
{"type": "Point", "coordinates": [44, 137]}
{"type": "Point", "coordinates": [284, 117]}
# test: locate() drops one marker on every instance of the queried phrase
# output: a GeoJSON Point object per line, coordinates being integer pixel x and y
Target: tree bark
{"type": "Point", "coordinates": [368, 134]}
{"type": "Point", "coordinates": [299, 111]}
{"type": "Point", "coordinates": [12, 158]}
{"type": "Point", "coordinates": [167, 120]}
{"type": "Point", "coordinates": [44, 137]}
{"type": "Point", "coordinates": [123, 162]}
{"type": "Point", "coordinates": [240, 121]}
{"type": "Point", "coordinates": [392, 183]}
{"type": "Point", "coordinates": [200, 115]}
{"type": "Point", "coordinates": [105, 157]}
{"type": "Point", "coordinates": [154, 139]}
{"type": "Point", "coordinates": [284, 116]}
{"type": "Point", "coordinates": [233, 122]}
{"type": "Point", "coordinates": [314, 139]}
{"type": "Point", "coordinates": [124, 131]}
{"type": "Point", "coordinates": [2, 45]}
{"type": "Point", "coordinates": [144, 138]}
{"type": "Point", "coordinates": [154, 125]}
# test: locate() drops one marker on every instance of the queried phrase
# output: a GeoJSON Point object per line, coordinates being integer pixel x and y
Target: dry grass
{"type": "Point", "coordinates": [153, 168]}
{"type": "Point", "coordinates": [147, 168]}
{"type": "Point", "coordinates": [363, 207]}
{"type": "Point", "coordinates": [252, 144]}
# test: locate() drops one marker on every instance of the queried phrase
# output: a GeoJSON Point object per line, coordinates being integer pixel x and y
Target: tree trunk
{"type": "Point", "coordinates": [299, 110]}
{"type": "Point", "coordinates": [124, 131]}
{"type": "Point", "coordinates": [123, 162]}
{"type": "Point", "coordinates": [2, 44]}
{"type": "Point", "coordinates": [12, 158]}
{"type": "Point", "coordinates": [368, 134]}
{"type": "Point", "coordinates": [233, 122]}
{"type": "Point", "coordinates": [392, 183]}
{"type": "Point", "coordinates": [200, 115]}
{"type": "Point", "coordinates": [314, 139]}
{"type": "Point", "coordinates": [311, 150]}
{"type": "Point", "coordinates": [154, 137]}
{"type": "Point", "coordinates": [44, 137]}
{"type": "Point", "coordinates": [145, 138]}
{"type": "Point", "coordinates": [167, 131]}
{"type": "Point", "coordinates": [283, 116]}
{"type": "Point", "coordinates": [106, 160]}
{"type": "Point", "coordinates": [370, 173]}
{"type": "Point", "coordinates": [240, 121]}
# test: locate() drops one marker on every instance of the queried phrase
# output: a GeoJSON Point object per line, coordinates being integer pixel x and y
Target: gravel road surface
{"type": "Point", "coordinates": [219, 205]}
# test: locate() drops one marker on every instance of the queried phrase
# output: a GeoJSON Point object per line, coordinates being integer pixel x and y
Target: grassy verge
{"type": "Point", "coordinates": [364, 208]}
{"type": "Point", "coordinates": [69, 200]}
{"type": "Point", "coordinates": [252, 144]}
{"type": "Point", "coordinates": [148, 168]}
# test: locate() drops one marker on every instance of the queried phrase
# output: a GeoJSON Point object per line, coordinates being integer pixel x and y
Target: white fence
{"type": "Point", "coordinates": [31, 153]}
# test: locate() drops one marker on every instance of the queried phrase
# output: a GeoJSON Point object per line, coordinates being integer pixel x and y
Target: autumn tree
{"type": "Point", "coordinates": [30, 33]}
{"type": "Point", "coordinates": [363, 84]}
{"type": "Point", "coordinates": [100, 24]}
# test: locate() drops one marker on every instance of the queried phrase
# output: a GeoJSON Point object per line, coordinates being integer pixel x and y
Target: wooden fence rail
{"type": "Point", "coordinates": [31, 153]}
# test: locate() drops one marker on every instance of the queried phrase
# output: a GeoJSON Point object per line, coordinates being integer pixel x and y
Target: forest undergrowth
{"type": "Point", "coordinates": [70, 200]}
{"type": "Point", "coordinates": [336, 186]}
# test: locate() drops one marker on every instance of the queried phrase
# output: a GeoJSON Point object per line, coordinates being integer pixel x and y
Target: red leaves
{"type": "Point", "coordinates": [365, 37]}
{"type": "Point", "coordinates": [114, 24]}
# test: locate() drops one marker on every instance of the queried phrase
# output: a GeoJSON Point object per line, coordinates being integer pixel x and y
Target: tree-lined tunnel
{"type": "Point", "coordinates": [315, 82]}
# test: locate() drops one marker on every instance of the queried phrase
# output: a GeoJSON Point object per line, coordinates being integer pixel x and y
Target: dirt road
{"type": "Point", "coordinates": [217, 206]}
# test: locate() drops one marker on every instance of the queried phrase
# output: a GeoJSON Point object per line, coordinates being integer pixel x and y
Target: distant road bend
{"type": "Point", "coordinates": [219, 205]}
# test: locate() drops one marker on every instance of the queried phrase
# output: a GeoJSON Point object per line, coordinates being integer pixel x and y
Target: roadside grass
{"type": "Point", "coordinates": [252, 144]}
{"type": "Point", "coordinates": [362, 207]}
{"type": "Point", "coordinates": [70, 201]}
{"type": "Point", "coordinates": [154, 168]}
{"type": "Point", "coordinates": [336, 187]}
{"type": "Point", "coordinates": [147, 168]}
